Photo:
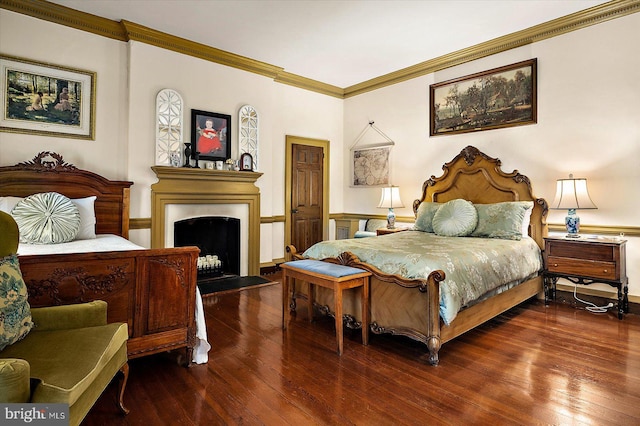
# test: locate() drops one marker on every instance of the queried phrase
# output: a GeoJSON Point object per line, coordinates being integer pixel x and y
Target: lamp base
{"type": "Point", "coordinates": [572, 222]}
{"type": "Point", "coordinates": [391, 219]}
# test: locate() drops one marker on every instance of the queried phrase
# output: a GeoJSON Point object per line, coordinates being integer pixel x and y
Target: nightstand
{"type": "Point", "coordinates": [385, 231]}
{"type": "Point", "coordinates": [587, 260]}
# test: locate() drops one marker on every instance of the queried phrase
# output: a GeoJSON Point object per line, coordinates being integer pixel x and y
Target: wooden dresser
{"type": "Point", "coordinates": [586, 261]}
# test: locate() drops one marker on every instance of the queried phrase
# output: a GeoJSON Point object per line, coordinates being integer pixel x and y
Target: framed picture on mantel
{"type": "Point", "coordinates": [493, 99]}
{"type": "Point", "coordinates": [210, 135]}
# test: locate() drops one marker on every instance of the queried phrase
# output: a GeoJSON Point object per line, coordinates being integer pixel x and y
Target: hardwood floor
{"type": "Point", "coordinates": [532, 365]}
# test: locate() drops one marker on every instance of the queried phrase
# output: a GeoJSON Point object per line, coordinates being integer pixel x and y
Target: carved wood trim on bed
{"type": "Point", "coordinates": [152, 290]}
{"type": "Point", "coordinates": [477, 177]}
{"type": "Point", "coordinates": [48, 171]}
{"type": "Point", "coordinates": [472, 175]}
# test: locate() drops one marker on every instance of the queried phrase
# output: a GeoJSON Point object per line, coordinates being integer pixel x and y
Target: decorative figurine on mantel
{"type": "Point", "coordinates": [187, 154]}
{"type": "Point", "coordinates": [230, 163]}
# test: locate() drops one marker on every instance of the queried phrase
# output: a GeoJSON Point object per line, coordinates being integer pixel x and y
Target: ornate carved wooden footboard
{"type": "Point", "coordinates": [153, 291]}
{"type": "Point", "coordinates": [427, 291]}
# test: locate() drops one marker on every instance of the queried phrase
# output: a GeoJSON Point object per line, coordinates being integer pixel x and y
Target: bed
{"type": "Point", "coordinates": [412, 299]}
{"type": "Point", "coordinates": [152, 290]}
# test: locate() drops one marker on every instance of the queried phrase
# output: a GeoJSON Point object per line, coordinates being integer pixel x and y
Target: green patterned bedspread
{"type": "Point", "coordinates": [473, 266]}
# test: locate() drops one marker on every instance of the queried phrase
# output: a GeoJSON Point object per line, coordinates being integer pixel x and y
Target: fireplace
{"type": "Point", "coordinates": [182, 193]}
{"type": "Point", "coordinates": [218, 239]}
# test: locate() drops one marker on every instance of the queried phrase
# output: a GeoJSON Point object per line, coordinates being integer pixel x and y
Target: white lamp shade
{"type": "Point", "coordinates": [390, 197]}
{"type": "Point", "coordinates": [572, 194]}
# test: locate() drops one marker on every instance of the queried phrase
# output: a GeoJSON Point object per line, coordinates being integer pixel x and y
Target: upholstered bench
{"type": "Point", "coordinates": [330, 275]}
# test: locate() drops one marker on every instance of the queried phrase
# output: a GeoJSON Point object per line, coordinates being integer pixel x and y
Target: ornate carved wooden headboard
{"type": "Point", "coordinates": [474, 176]}
{"type": "Point", "coordinates": [49, 172]}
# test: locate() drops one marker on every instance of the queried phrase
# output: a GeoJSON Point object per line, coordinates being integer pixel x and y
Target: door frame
{"type": "Point", "coordinates": [288, 178]}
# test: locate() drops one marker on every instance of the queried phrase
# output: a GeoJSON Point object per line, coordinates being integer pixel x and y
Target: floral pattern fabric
{"type": "Point", "coordinates": [473, 266]}
{"type": "Point", "coordinates": [15, 313]}
{"type": "Point", "coordinates": [501, 220]}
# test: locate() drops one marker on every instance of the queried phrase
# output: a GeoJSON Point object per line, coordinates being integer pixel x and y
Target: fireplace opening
{"type": "Point", "coordinates": [218, 239]}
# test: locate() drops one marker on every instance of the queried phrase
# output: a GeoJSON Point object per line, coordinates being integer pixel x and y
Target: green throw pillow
{"type": "Point", "coordinates": [501, 220]}
{"type": "Point", "coordinates": [424, 216]}
{"type": "Point", "coordinates": [456, 218]}
{"type": "Point", "coordinates": [47, 218]}
{"type": "Point", "coordinates": [15, 313]}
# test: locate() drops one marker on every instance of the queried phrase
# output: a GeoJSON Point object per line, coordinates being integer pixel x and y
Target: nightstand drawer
{"type": "Point", "coordinates": [582, 250]}
{"type": "Point", "coordinates": [580, 267]}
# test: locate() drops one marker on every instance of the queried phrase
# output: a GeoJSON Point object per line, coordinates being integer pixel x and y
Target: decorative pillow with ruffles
{"type": "Point", "coordinates": [15, 312]}
{"type": "Point", "coordinates": [455, 218]}
{"type": "Point", "coordinates": [46, 218]}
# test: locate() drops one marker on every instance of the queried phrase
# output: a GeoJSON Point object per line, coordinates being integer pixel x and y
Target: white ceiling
{"type": "Point", "coordinates": [339, 42]}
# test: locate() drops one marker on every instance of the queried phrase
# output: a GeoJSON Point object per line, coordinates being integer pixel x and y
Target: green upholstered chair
{"type": "Point", "coordinates": [70, 355]}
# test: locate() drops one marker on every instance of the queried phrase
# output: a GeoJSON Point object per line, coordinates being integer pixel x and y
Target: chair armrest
{"type": "Point", "coordinates": [64, 317]}
{"type": "Point", "coordinates": [14, 380]}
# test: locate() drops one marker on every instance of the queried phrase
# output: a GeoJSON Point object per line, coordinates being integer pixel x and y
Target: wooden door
{"type": "Point", "coordinates": [306, 196]}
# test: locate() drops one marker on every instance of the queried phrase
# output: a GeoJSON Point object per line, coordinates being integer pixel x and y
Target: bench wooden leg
{"type": "Point", "coordinates": [310, 301]}
{"type": "Point", "coordinates": [285, 299]}
{"type": "Point", "coordinates": [337, 299]}
{"type": "Point", "coordinates": [366, 311]}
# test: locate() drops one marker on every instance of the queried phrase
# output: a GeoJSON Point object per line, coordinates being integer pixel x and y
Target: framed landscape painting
{"type": "Point", "coordinates": [493, 99]}
{"type": "Point", "coordinates": [46, 99]}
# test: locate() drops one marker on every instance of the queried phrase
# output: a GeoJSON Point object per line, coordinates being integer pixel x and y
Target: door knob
{"type": "Point", "coordinates": [294, 210]}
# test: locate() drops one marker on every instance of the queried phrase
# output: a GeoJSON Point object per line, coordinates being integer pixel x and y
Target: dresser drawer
{"type": "Point", "coordinates": [581, 267]}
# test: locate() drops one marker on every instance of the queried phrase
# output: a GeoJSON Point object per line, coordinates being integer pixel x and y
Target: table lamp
{"type": "Point", "coordinates": [390, 198]}
{"type": "Point", "coordinates": [572, 194]}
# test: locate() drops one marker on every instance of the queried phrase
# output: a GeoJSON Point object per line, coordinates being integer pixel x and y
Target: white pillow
{"type": "Point", "coordinates": [86, 208]}
{"type": "Point", "coordinates": [46, 218]}
{"type": "Point", "coordinates": [8, 203]}
{"type": "Point", "coordinates": [455, 218]}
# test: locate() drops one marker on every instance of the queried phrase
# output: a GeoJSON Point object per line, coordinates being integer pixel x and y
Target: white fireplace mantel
{"type": "Point", "coordinates": [180, 185]}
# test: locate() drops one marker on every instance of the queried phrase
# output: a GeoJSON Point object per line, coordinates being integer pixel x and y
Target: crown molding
{"type": "Point", "coordinates": [575, 21]}
{"type": "Point", "coordinates": [66, 16]}
{"type": "Point", "coordinates": [129, 31]}
{"type": "Point", "coordinates": [309, 84]}
{"type": "Point", "coordinates": [126, 31]}
{"type": "Point", "coordinates": [137, 32]}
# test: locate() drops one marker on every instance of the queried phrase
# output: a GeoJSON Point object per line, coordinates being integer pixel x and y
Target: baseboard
{"type": "Point", "coordinates": [268, 270]}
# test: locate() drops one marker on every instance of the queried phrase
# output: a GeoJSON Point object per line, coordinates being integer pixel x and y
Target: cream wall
{"type": "Point", "coordinates": [588, 106]}
{"type": "Point", "coordinates": [45, 42]}
{"type": "Point", "coordinates": [129, 76]}
{"type": "Point", "coordinates": [588, 109]}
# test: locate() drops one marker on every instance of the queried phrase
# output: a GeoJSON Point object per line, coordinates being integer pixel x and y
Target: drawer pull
{"type": "Point", "coordinates": [555, 265]}
{"type": "Point", "coordinates": [605, 271]}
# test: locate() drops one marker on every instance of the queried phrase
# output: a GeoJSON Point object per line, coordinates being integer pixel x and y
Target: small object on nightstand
{"type": "Point", "coordinates": [587, 261]}
{"type": "Point", "coordinates": [572, 194]}
{"type": "Point", "coordinates": [390, 198]}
